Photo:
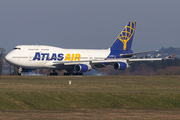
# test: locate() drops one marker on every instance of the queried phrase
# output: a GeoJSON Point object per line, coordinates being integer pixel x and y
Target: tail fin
{"type": "Point", "coordinates": [124, 40]}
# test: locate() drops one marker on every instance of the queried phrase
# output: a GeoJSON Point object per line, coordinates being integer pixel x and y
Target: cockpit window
{"type": "Point", "coordinates": [16, 48]}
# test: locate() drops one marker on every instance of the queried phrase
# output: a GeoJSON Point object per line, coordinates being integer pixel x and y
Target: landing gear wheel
{"type": "Point", "coordinates": [20, 74]}
{"type": "Point", "coordinates": [79, 73]}
{"type": "Point", "coordinates": [67, 73]}
{"type": "Point", "coordinates": [54, 73]}
{"type": "Point", "coordinates": [71, 73]}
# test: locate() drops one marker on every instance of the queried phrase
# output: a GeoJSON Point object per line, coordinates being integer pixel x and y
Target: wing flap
{"type": "Point", "coordinates": [144, 59]}
{"type": "Point", "coordinates": [130, 54]}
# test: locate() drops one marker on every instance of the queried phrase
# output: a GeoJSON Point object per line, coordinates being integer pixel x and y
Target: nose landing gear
{"type": "Point", "coordinates": [20, 72]}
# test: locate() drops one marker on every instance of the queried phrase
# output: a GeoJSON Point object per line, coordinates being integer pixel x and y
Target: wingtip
{"type": "Point", "coordinates": [170, 57]}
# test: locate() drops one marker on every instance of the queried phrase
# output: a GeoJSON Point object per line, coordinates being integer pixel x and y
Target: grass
{"type": "Point", "coordinates": [89, 92]}
{"type": "Point", "coordinates": [90, 97]}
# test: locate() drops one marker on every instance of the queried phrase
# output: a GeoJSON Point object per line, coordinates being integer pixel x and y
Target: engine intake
{"type": "Point", "coordinates": [120, 66]}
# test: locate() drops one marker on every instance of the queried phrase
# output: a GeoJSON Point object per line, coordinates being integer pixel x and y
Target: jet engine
{"type": "Point", "coordinates": [82, 68]}
{"type": "Point", "coordinates": [120, 66]}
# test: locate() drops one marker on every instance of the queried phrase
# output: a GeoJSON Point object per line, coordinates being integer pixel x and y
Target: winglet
{"type": "Point", "coordinates": [170, 57]}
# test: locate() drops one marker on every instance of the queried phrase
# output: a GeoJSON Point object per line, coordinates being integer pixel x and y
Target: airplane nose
{"type": "Point", "coordinates": [7, 58]}
{"type": "Point", "coordinates": [10, 60]}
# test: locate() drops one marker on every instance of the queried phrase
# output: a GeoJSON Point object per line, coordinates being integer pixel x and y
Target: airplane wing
{"type": "Point", "coordinates": [130, 54]}
{"type": "Point", "coordinates": [102, 63]}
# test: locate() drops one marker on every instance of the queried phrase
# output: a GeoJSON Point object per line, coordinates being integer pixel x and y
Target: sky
{"type": "Point", "coordinates": [91, 24]}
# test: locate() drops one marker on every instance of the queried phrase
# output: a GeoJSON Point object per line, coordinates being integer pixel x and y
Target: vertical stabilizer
{"type": "Point", "coordinates": [124, 40]}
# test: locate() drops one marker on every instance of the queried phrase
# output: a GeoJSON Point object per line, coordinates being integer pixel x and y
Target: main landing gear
{"type": "Point", "coordinates": [72, 73]}
{"type": "Point", "coordinates": [54, 73]}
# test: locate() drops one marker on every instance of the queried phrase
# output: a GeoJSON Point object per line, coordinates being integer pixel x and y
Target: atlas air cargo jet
{"type": "Point", "coordinates": [77, 61]}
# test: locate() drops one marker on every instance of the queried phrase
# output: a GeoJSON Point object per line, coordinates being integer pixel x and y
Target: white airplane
{"type": "Point", "coordinates": [77, 61]}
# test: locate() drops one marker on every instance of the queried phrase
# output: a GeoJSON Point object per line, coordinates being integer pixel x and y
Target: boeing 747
{"type": "Point", "coordinates": [77, 61]}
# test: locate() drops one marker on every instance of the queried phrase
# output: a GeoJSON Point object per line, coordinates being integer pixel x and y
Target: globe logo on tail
{"type": "Point", "coordinates": [126, 34]}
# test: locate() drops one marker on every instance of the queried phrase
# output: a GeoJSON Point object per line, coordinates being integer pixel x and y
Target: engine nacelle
{"type": "Point", "coordinates": [82, 68]}
{"type": "Point", "coordinates": [120, 66]}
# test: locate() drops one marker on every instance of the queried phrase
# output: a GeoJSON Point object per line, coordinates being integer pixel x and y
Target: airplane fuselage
{"type": "Point", "coordinates": [41, 56]}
